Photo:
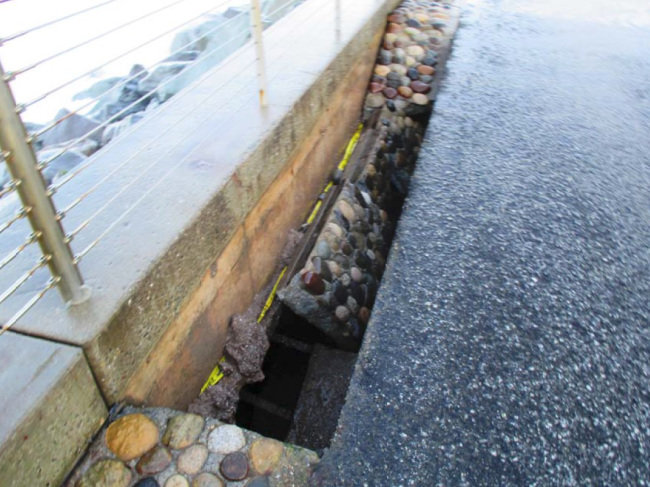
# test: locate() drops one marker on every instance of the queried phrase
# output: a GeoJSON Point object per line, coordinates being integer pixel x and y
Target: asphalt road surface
{"type": "Point", "coordinates": [510, 342]}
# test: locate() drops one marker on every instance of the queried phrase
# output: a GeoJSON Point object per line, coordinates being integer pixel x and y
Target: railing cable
{"type": "Point", "coordinates": [13, 74]}
{"type": "Point", "coordinates": [14, 253]}
{"type": "Point", "coordinates": [23, 106]}
{"type": "Point", "coordinates": [11, 37]}
{"type": "Point", "coordinates": [27, 306]}
{"type": "Point", "coordinates": [42, 165]}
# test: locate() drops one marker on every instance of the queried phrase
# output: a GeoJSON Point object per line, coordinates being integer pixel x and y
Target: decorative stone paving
{"type": "Point", "coordinates": [131, 436]}
{"type": "Point", "coordinates": [184, 450]}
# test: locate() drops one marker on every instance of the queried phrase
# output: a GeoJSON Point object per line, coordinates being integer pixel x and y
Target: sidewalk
{"type": "Point", "coordinates": [509, 344]}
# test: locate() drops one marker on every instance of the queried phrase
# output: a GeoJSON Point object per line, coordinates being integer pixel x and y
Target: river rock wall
{"type": "Point", "coordinates": [336, 288]}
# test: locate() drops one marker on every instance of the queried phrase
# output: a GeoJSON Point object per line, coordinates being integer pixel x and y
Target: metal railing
{"type": "Point", "coordinates": [38, 159]}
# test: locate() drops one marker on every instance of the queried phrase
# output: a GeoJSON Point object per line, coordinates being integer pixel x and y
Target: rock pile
{"type": "Point", "coordinates": [336, 288]}
{"type": "Point", "coordinates": [244, 352]}
{"type": "Point", "coordinates": [161, 447]}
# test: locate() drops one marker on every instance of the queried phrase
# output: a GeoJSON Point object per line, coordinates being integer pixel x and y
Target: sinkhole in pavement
{"type": "Point", "coordinates": [292, 382]}
{"type": "Point", "coordinates": [316, 328]}
{"type": "Point", "coordinates": [306, 379]}
{"type": "Point", "coordinates": [316, 325]}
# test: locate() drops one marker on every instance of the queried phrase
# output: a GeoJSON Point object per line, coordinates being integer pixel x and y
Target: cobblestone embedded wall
{"type": "Point", "coordinates": [336, 288]}
{"type": "Point", "coordinates": [163, 447]}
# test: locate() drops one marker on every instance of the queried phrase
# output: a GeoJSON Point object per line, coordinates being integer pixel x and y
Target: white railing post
{"type": "Point", "coordinates": [256, 26]}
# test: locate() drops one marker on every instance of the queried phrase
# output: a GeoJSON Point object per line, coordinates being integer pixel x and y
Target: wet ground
{"type": "Point", "coordinates": [510, 342]}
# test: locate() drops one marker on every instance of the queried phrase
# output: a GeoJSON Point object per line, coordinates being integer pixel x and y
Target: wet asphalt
{"type": "Point", "coordinates": [510, 341]}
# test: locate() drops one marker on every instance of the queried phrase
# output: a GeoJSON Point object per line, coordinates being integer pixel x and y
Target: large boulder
{"type": "Point", "coordinates": [98, 88]}
{"type": "Point", "coordinates": [72, 127]}
{"type": "Point", "coordinates": [200, 66]}
{"type": "Point", "coordinates": [129, 99]}
{"type": "Point", "coordinates": [117, 128]}
{"type": "Point", "coordinates": [273, 10]}
{"type": "Point", "coordinates": [212, 32]}
{"type": "Point", "coordinates": [186, 55]}
{"type": "Point", "coordinates": [160, 74]}
{"type": "Point", "coordinates": [213, 40]}
{"type": "Point", "coordinates": [61, 165]}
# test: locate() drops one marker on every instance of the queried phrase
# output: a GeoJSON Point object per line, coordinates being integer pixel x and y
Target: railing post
{"type": "Point", "coordinates": [22, 164]}
{"type": "Point", "coordinates": [256, 26]}
{"type": "Point", "coordinates": [337, 19]}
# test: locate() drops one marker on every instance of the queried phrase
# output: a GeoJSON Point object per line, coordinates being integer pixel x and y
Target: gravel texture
{"type": "Point", "coordinates": [509, 344]}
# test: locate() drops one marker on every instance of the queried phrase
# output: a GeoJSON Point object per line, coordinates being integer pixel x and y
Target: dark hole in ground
{"type": "Point", "coordinates": [306, 375]}
{"type": "Point", "coordinates": [294, 327]}
{"type": "Point", "coordinates": [284, 370]}
{"type": "Point", "coordinates": [305, 383]}
{"type": "Point", "coordinates": [267, 407]}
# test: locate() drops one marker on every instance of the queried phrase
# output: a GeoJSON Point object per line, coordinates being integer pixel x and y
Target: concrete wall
{"type": "Point", "coordinates": [202, 239]}
{"type": "Point", "coordinates": [49, 409]}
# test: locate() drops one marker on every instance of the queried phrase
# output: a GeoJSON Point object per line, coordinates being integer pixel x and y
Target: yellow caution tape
{"type": "Point", "coordinates": [314, 212]}
{"type": "Point", "coordinates": [350, 148]}
{"type": "Point", "coordinates": [318, 204]}
{"type": "Point", "coordinates": [269, 300]}
{"type": "Point", "coordinates": [215, 376]}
